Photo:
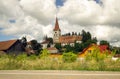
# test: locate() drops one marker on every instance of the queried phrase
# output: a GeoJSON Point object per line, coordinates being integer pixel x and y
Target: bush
{"type": "Point", "coordinates": [96, 55]}
{"type": "Point", "coordinates": [45, 53]}
{"type": "Point", "coordinates": [69, 57]}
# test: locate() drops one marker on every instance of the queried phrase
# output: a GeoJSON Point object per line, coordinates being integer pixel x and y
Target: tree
{"type": "Point", "coordinates": [88, 35]}
{"type": "Point", "coordinates": [23, 42]}
{"type": "Point", "coordinates": [73, 33]}
{"type": "Point", "coordinates": [68, 48]}
{"type": "Point", "coordinates": [50, 40]}
{"type": "Point", "coordinates": [58, 46]}
{"type": "Point", "coordinates": [37, 47]}
{"type": "Point", "coordinates": [84, 37]}
{"type": "Point", "coordinates": [104, 42]}
{"type": "Point", "coordinates": [79, 34]}
{"type": "Point", "coordinates": [78, 47]}
{"type": "Point", "coordinates": [69, 34]}
{"type": "Point", "coordinates": [94, 40]}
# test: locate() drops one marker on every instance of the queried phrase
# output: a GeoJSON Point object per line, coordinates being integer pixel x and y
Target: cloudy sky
{"type": "Point", "coordinates": [36, 18]}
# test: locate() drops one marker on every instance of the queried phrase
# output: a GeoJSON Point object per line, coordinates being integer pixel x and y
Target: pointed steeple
{"type": "Point", "coordinates": [56, 28]}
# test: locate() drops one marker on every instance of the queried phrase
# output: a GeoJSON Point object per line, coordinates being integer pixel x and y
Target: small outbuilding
{"type": "Point", "coordinates": [12, 47]}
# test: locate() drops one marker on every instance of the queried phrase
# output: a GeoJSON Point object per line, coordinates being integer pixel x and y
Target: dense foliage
{"type": "Point", "coordinates": [37, 47]}
{"type": "Point", "coordinates": [69, 57]}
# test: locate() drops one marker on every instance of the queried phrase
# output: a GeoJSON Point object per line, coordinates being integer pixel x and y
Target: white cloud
{"type": "Point", "coordinates": [84, 12]}
{"type": "Point", "coordinates": [25, 22]}
{"type": "Point", "coordinates": [35, 18]}
{"type": "Point", "coordinates": [43, 10]}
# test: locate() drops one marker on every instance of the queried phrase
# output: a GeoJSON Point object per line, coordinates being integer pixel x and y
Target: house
{"type": "Point", "coordinates": [93, 47]}
{"type": "Point", "coordinates": [52, 50]}
{"type": "Point", "coordinates": [44, 44]}
{"type": "Point", "coordinates": [12, 47]}
{"type": "Point", "coordinates": [64, 40]}
{"type": "Point", "coordinates": [54, 53]}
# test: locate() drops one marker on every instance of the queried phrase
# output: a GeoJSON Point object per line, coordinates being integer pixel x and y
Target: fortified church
{"type": "Point", "coordinates": [64, 39]}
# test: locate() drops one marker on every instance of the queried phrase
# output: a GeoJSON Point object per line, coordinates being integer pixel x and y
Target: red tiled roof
{"type": "Point", "coordinates": [70, 39]}
{"type": "Point", "coordinates": [103, 47]}
{"type": "Point", "coordinates": [4, 45]}
{"type": "Point", "coordinates": [56, 25]}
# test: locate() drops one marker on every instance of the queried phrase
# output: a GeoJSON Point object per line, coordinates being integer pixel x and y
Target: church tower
{"type": "Point", "coordinates": [56, 32]}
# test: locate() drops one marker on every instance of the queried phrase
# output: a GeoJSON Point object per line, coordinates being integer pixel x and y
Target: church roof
{"type": "Point", "coordinates": [70, 39]}
{"type": "Point", "coordinates": [56, 28]}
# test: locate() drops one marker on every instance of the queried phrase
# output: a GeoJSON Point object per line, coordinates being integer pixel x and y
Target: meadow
{"type": "Point", "coordinates": [92, 62]}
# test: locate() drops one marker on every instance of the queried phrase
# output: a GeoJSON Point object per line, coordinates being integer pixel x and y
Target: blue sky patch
{"type": "Point", "coordinates": [12, 21]}
{"type": "Point", "coordinates": [59, 2]}
{"type": "Point", "coordinates": [6, 37]}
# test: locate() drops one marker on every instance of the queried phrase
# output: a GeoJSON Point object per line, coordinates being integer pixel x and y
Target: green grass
{"type": "Point", "coordinates": [90, 63]}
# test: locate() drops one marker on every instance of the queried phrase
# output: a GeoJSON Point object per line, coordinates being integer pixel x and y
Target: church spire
{"type": "Point", "coordinates": [56, 28]}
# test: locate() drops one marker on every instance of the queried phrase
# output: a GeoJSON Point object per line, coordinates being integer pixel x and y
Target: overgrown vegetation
{"type": "Point", "coordinates": [67, 61]}
{"type": "Point", "coordinates": [69, 57]}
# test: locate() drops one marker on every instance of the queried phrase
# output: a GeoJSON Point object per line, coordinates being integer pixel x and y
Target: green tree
{"type": "Point", "coordinates": [94, 40]}
{"type": "Point", "coordinates": [88, 35]}
{"type": "Point", "coordinates": [50, 40]}
{"type": "Point", "coordinates": [58, 46]}
{"type": "Point", "coordinates": [68, 48]}
{"type": "Point", "coordinates": [37, 47]}
{"type": "Point", "coordinates": [78, 47]}
{"type": "Point", "coordinates": [104, 42]}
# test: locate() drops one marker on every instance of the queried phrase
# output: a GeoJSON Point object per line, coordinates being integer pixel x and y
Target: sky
{"type": "Point", "coordinates": [36, 18]}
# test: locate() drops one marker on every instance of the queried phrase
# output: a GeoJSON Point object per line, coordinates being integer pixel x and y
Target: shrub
{"type": "Point", "coordinates": [96, 55]}
{"type": "Point", "coordinates": [69, 57]}
{"type": "Point", "coordinates": [45, 53]}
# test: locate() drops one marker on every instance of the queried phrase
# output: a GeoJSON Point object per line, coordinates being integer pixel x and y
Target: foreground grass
{"type": "Point", "coordinates": [23, 62]}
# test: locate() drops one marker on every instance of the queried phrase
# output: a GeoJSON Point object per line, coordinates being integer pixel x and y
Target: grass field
{"type": "Point", "coordinates": [90, 62]}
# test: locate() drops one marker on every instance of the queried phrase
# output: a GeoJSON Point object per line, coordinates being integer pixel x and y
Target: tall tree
{"type": "Point", "coordinates": [88, 35]}
{"type": "Point", "coordinates": [84, 36]}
